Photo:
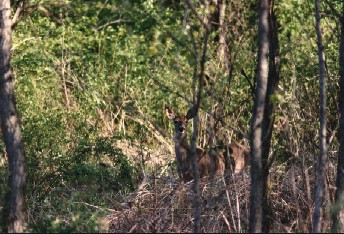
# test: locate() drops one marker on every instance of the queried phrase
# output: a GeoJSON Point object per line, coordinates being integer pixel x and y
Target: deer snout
{"type": "Point", "coordinates": [181, 129]}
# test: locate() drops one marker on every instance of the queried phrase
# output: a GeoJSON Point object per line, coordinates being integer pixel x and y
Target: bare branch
{"type": "Point", "coordinates": [219, 119]}
{"type": "Point", "coordinates": [23, 10]}
{"type": "Point", "coordinates": [193, 9]}
{"type": "Point", "coordinates": [112, 22]}
{"type": "Point", "coordinates": [248, 80]}
{"type": "Point", "coordinates": [335, 12]}
{"type": "Point", "coordinates": [17, 13]}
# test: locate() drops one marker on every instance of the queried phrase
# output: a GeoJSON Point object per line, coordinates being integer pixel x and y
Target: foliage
{"type": "Point", "coordinates": [91, 73]}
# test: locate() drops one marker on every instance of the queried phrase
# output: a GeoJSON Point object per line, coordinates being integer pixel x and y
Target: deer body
{"type": "Point", "coordinates": [208, 165]}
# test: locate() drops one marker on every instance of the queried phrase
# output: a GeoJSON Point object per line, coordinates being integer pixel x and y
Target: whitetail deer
{"type": "Point", "coordinates": [208, 165]}
{"type": "Point", "coordinates": [240, 157]}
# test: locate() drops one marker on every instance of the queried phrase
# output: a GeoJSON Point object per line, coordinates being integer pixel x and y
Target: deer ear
{"type": "Point", "coordinates": [192, 112]}
{"type": "Point", "coordinates": [169, 113]}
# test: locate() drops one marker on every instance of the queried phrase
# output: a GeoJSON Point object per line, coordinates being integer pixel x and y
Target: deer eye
{"type": "Point", "coordinates": [175, 121]}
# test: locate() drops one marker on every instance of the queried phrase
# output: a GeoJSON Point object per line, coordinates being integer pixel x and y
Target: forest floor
{"type": "Point", "coordinates": [162, 204]}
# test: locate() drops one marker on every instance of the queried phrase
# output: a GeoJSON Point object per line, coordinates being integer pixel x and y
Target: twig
{"type": "Point", "coordinates": [248, 80]}
{"type": "Point", "coordinates": [112, 22]}
{"type": "Point", "coordinates": [226, 221]}
{"type": "Point", "coordinates": [340, 17]}
{"type": "Point", "coordinates": [133, 228]}
{"type": "Point", "coordinates": [193, 9]}
{"type": "Point", "coordinates": [23, 8]}
{"type": "Point", "coordinates": [21, 42]}
{"type": "Point", "coordinates": [97, 207]}
{"type": "Point", "coordinates": [219, 119]}
{"type": "Point", "coordinates": [17, 13]}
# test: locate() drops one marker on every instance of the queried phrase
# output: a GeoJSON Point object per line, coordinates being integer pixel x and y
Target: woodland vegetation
{"type": "Point", "coordinates": [92, 79]}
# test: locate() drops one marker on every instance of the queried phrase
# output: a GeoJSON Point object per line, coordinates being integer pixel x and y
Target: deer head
{"type": "Point", "coordinates": [180, 122]}
{"type": "Point", "coordinates": [240, 156]}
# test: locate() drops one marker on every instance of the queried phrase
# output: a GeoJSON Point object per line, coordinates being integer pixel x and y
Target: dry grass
{"type": "Point", "coordinates": [165, 205]}
{"type": "Point", "coordinates": [162, 204]}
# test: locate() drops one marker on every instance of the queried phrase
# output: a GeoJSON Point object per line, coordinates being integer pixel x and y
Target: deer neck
{"type": "Point", "coordinates": [181, 147]}
{"type": "Point", "coordinates": [182, 155]}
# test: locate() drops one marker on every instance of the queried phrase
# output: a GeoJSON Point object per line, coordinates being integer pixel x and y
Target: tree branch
{"type": "Point", "coordinates": [340, 17]}
{"type": "Point", "coordinates": [193, 9]}
{"type": "Point", "coordinates": [112, 22]}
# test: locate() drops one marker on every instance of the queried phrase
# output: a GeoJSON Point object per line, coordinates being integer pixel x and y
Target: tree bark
{"type": "Point", "coordinates": [322, 160]}
{"type": "Point", "coordinates": [14, 207]}
{"type": "Point", "coordinates": [222, 51]}
{"type": "Point", "coordinates": [195, 187]}
{"type": "Point", "coordinates": [338, 213]}
{"type": "Point", "coordinates": [269, 116]}
{"type": "Point", "coordinates": [256, 198]}
{"type": "Point", "coordinates": [197, 95]}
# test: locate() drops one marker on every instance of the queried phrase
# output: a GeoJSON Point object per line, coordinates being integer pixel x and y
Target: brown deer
{"type": "Point", "coordinates": [240, 157]}
{"type": "Point", "coordinates": [208, 165]}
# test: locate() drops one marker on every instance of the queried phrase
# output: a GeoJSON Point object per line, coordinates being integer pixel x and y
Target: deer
{"type": "Point", "coordinates": [240, 157]}
{"type": "Point", "coordinates": [208, 165]}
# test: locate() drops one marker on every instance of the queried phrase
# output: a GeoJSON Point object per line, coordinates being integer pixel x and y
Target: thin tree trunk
{"type": "Point", "coordinates": [222, 51]}
{"type": "Point", "coordinates": [14, 208]}
{"type": "Point", "coordinates": [197, 78]}
{"type": "Point", "coordinates": [269, 112]}
{"type": "Point", "coordinates": [197, 101]}
{"type": "Point", "coordinates": [338, 213]}
{"type": "Point", "coordinates": [256, 198]}
{"type": "Point", "coordinates": [322, 160]}
{"type": "Point", "coordinates": [197, 195]}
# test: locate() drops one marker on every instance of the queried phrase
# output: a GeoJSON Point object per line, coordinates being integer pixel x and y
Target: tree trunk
{"type": "Point", "coordinates": [222, 51]}
{"type": "Point", "coordinates": [197, 78]}
{"type": "Point", "coordinates": [256, 198]}
{"type": "Point", "coordinates": [322, 160]}
{"type": "Point", "coordinates": [197, 195]}
{"type": "Point", "coordinates": [338, 213]}
{"type": "Point", "coordinates": [14, 208]}
{"type": "Point", "coordinates": [269, 117]}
